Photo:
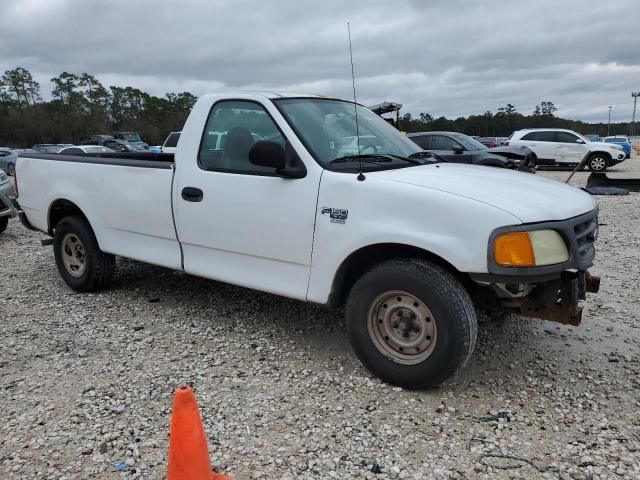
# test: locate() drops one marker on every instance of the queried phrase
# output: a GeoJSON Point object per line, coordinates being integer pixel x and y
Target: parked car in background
{"type": "Point", "coordinates": [82, 149]}
{"type": "Point", "coordinates": [96, 139]}
{"type": "Point", "coordinates": [460, 148]}
{"type": "Point", "coordinates": [47, 147]}
{"type": "Point", "coordinates": [490, 142]}
{"type": "Point", "coordinates": [7, 197]}
{"type": "Point", "coordinates": [114, 144]}
{"type": "Point", "coordinates": [171, 142]}
{"type": "Point", "coordinates": [122, 145]}
{"type": "Point", "coordinates": [9, 157]}
{"type": "Point", "coordinates": [593, 138]}
{"type": "Point", "coordinates": [622, 141]}
{"type": "Point", "coordinates": [557, 146]}
{"type": "Point", "coordinates": [131, 137]}
{"type": "Point", "coordinates": [502, 140]}
{"type": "Point", "coordinates": [8, 161]}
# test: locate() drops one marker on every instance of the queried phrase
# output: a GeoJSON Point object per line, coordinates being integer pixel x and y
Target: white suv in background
{"type": "Point", "coordinates": [556, 146]}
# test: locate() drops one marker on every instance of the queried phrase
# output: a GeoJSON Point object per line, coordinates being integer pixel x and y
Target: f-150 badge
{"type": "Point", "coordinates": [337, 215]}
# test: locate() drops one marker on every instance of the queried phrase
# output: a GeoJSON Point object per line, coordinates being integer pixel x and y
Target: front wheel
{"type": "Point", "coordinates": [411, 323]}
{"type": "Point", "coordinates": [598, 162]}
{"type": "Point", "coordinates": [11, 169]}
{"type": "Point", "coordinates": [81, 263]}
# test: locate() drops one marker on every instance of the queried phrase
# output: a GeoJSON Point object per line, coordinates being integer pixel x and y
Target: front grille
{"type": "Point", "coordinates": [585, 234]}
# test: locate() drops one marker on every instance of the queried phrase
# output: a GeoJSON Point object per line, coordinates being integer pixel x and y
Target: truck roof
{"type": "Point", "coordinates": [273, 95]}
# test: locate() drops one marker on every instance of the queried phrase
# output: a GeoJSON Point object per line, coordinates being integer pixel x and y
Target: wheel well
{"type": "Point", "coordinates": [59, 209]}
{"type": "Point", "coordinates": [356, 264]}
{"type": "Point", "coordinates": [604, 154]}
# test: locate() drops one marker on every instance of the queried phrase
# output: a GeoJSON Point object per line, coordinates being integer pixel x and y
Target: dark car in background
{"type": "Point", "coordinates": [113, 143]}
{"type": "Point", "coordinates": [132, 138]}
{"type": "Point", "coordinates": [460, 148]}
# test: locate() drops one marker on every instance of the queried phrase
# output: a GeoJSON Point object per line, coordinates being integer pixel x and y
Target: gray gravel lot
{"type": "Point", "coordinates": [86, 381]}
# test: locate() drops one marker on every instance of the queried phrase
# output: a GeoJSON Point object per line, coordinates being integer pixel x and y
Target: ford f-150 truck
{"type": "Point", "coordinates": [261, 193]}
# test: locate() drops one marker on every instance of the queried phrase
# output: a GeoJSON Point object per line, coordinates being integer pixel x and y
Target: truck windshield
{"type": "Point", "coordinates": [327, 128]}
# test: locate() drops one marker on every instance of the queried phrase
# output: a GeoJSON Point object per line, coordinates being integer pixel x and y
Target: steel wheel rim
{"type": "Point", "coordinates": [402, 327]}
{"type": "Point", "coordinates": [11, 169]}
{"type": "Point", "coordinates": [598, 163]}
{"type": "Point", "coordinates": [73, 255]}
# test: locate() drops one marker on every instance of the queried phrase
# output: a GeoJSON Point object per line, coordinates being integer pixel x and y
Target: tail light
{"type": "Point", "coordinates": [15, 182]}
{"type": "Point", "coordinates": [506, 143]}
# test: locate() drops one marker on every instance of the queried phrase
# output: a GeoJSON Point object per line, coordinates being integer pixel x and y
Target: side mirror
{"type": "Point", "coordinates": [579, 140]}
{"type": "Point", "coordinates": [458, 150]}
{"type": "Point", "coordinates": [284, 160]}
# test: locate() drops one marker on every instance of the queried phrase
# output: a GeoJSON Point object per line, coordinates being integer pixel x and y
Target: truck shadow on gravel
{"type": "Point", "coordinates": [502, 344]}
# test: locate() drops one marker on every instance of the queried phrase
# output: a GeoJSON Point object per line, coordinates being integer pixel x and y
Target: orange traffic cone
{"type": "Point", "coordinates": [188, 451]}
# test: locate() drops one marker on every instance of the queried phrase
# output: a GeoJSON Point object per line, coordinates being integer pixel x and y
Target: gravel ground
{"type": "Point", "coordinates": [86, 381]}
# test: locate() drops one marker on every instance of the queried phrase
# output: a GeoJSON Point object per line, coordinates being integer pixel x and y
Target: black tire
{"type": "Point", "coordinates": [4, 222]}
{"type": "Point", "coordinates": [598, 162]}
{"type": "Point", "coordinates": [98, 267]}
{"type": "Point", "coordinates": [444, 296]}
{"type": "Point", "coordinates": [11, 170]}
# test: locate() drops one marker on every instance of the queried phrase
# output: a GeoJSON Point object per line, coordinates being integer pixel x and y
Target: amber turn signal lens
{"type": "Point", "coordinates": [514, 250]}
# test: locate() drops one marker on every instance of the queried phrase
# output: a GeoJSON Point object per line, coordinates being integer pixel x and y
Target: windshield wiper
{"type": "Point", "coordinates": [363, 157]}
{"type": "Point", "coordinates": [425, 154]}
{"type": "Point", "coordinates": [374, 158]}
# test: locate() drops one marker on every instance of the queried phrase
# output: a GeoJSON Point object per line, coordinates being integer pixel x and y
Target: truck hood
{"type": "Point", "coordinates": [530, 198]}
{"type": "Point", "coordinates": [603, 144]}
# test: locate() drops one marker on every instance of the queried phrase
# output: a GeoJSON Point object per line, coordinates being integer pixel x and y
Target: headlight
{"type": "Point", "coordinates": [530, 249]}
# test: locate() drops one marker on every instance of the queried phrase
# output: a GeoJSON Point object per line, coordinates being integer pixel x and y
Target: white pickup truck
{"type": "Point", "coordinates": [265, 191]}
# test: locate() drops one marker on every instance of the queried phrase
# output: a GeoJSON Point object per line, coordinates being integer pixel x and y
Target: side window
{"type": "Point", "coordinates": [172, 140]}
{"type": "Point", "coordinates": [73, 151]}
{"type": "Point", "coordinates": [438, 142]}
{"type": "Point", "coordinates": [423, 141]}
{"type": "Point", "coordinates": [232, 129]}
{"type": "Point", "coordinates": [546, 137]}
{"type": "Point", "coordinates": [565, 137]}
{"type": "Point", "coordinates": [531, 136]}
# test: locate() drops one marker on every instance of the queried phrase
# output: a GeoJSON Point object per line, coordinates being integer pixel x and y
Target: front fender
{"type": "Point", "coordinates": [452, 227]}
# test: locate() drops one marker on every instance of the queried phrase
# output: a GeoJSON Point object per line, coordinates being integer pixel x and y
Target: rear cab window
{"type": "Point", "coordinates": [172, 140]}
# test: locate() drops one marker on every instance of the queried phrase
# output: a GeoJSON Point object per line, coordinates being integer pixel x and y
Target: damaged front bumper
{"type": "Point", "coordinates": [556, 301]}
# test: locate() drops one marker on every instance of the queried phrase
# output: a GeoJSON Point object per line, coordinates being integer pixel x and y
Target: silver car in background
{"type": "Point", "coordinates": [7, 198]}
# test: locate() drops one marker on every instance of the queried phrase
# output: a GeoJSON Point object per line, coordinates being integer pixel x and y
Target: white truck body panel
{"type": "Point", "coordinates": [129, 208]}
{"type": "Point", "coordinates": [270, 233]}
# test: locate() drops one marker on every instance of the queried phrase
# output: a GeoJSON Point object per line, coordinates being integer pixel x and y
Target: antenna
{"type": "Point", "coordinates": [361, 176]}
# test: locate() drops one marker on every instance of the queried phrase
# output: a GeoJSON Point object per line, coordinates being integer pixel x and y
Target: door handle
{"type": "Point", "coordinates": [192, 194]}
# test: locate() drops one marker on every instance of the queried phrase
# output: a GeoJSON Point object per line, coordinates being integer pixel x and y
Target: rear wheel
{"type": "Point", "coordinates": [598, 162]}
{"type": "Point", "coordinates": [11, 169]}
{"type": "Point", "coordinates": [411, 323]}
{"type": "Point", "coordinates": [81, 263]}
{"type": "Point", "coordinates": [4, 221]}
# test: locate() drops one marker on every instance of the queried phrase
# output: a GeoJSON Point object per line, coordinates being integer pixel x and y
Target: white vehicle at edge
{"type": "Point", "coordinates": [170, 143]}
{"type": "Point", "coordinates": [410, 245]}
{"type": "Point", "coordinates": [558, 146]}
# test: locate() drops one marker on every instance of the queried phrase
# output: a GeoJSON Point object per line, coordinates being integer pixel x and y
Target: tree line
{"type": "Point", "coordinates": [81, 106]}
{"type": "Point", "coordinates": [506, 120]}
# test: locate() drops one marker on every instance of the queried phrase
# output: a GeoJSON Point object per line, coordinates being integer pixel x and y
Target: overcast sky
{"type": "Point", "coordinates": [444, 57]}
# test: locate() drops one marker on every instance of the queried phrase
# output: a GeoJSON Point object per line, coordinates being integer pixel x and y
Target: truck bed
{"type": "Point", "coordinates": [125, 196]}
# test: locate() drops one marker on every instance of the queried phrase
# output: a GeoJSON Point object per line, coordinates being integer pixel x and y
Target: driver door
{"type": "Point", "coordinates": [569, 148]}
{"type": "Point", "coordinates": [238, 222]}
